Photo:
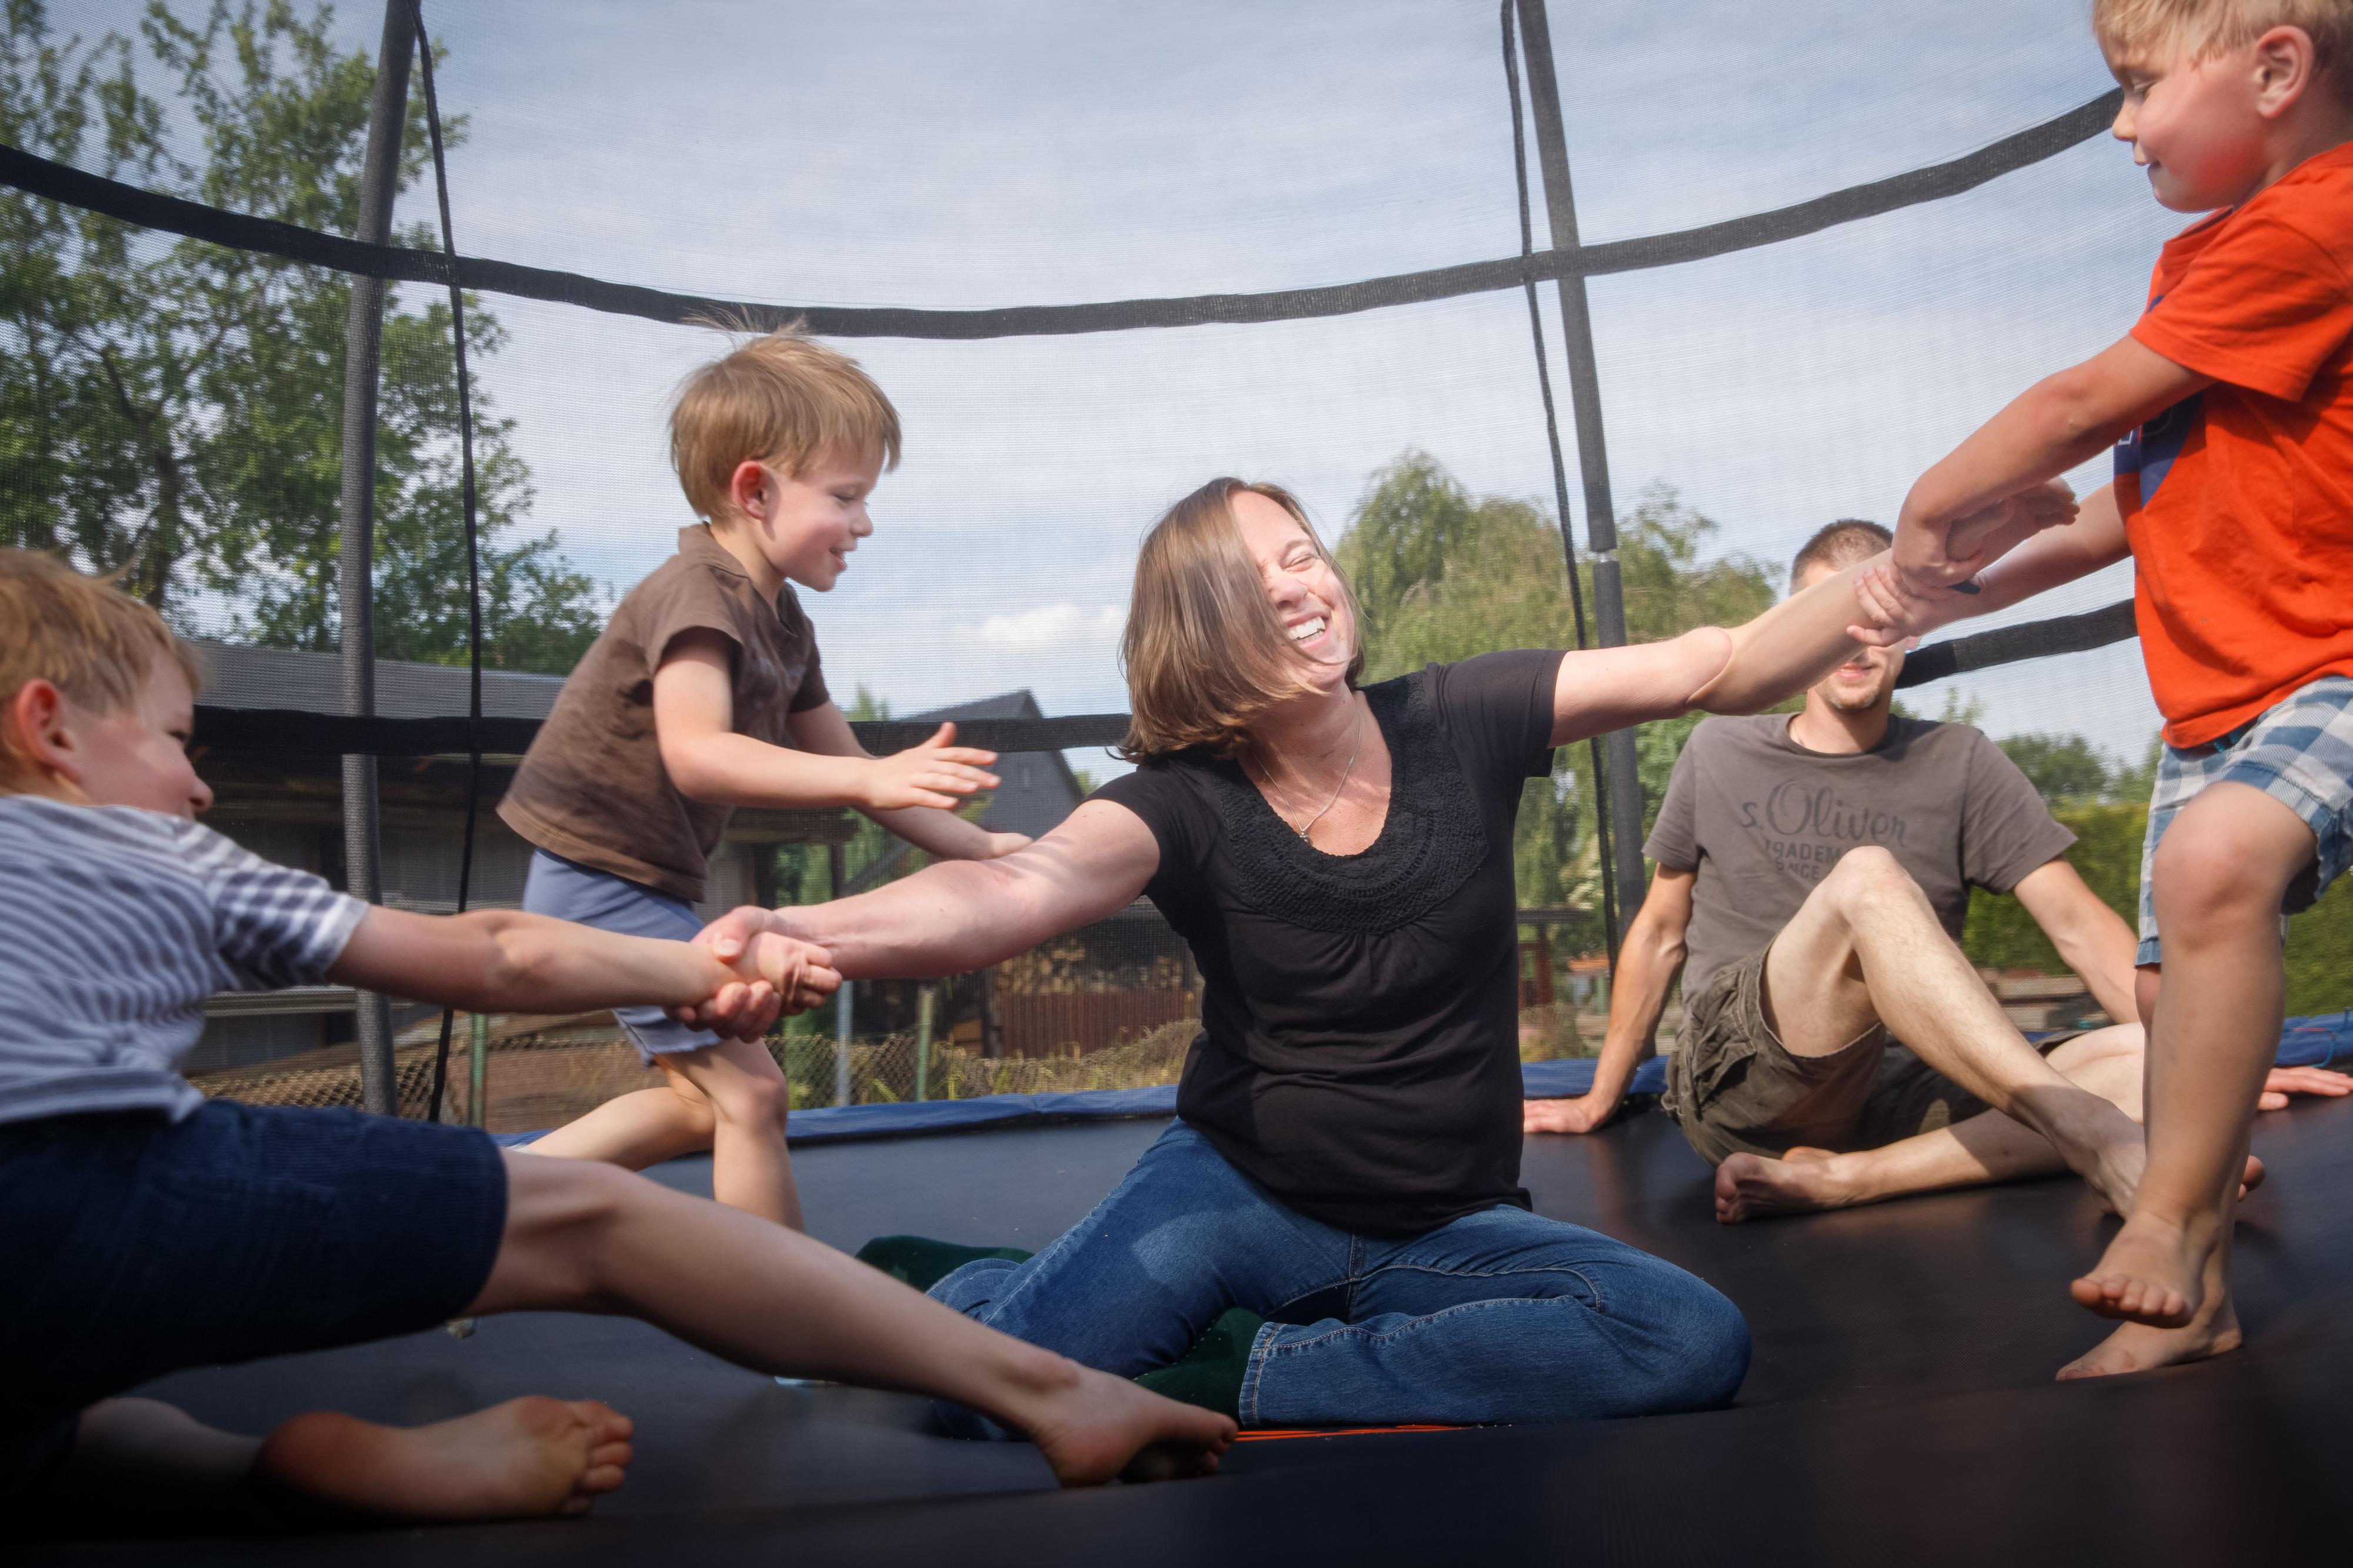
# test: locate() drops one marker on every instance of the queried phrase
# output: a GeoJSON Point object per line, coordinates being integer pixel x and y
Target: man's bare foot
{"type": "Point", "coordinates": [1093, 1426]}
{"type": "Point", "coordinates": [1803, 1181]}
{"type": "Point", "coordinates": [2112, 1162]}
{"type": "Point", "coordinates": [2136, 1347]}
{"type": "Point", "coordinates": [2113, 1171]}
{"type": "Point", "coordinates": [2153, 1273]}
{"type": "Point", "coordinates": [524, 1460]}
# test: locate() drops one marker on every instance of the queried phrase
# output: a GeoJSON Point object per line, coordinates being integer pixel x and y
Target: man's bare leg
{"type": "Point", "coordinates": [1865, 949]}
{"type": "Point", "coordinates": [2219, 876]}
{"type": "Point", "coordinates": [1985, 1149]}
{"type": "Point", "coordinates": [526, 1459]}
{"type": "Point", "coordinates": [584, 1237]}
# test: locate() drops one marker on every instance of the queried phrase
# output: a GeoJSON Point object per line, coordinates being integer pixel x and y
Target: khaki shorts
{"type": "Point", "coordinates": [1734, 1087]}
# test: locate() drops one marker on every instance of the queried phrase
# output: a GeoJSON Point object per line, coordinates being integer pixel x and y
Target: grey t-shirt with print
{"type": "Point", "coordinates": [1762, 820]}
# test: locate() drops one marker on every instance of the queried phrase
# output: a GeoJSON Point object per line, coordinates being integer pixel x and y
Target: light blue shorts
{"type": "Point", "coordinates": [2301, 754]}
{"type": "Point", "coordinates": [569, 892]}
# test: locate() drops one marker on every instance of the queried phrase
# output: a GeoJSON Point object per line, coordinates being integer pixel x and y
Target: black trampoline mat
{"type": "Point", "coordinates": [1899, 1409]}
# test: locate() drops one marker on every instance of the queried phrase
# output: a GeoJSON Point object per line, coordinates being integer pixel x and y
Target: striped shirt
{"type": "Point", "coordinates": [115, 925]}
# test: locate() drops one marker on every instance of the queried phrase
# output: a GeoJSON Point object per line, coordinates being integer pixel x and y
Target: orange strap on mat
{"type": "Point", "coordinates": [1273, 1434]}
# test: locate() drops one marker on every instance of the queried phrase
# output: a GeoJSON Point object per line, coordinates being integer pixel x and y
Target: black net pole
{"type": "Point", "coordinates": [1559, 474]}
{"type": "Point", "coordinates": [473, 551]}
{"type": "Point", "coordinates": [1592, 453]}
{"type": "Point", "coordinates": [362, 340]}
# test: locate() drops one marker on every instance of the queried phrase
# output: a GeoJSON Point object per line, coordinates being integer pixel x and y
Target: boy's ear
{"type": "Point", "coordinates": [747, 488]}
{"type": "Point", "coordinates": [36, 733]}
{"type": "Point", "coordinates": [2283, 64]}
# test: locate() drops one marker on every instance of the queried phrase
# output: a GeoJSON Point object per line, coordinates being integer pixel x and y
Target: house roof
{"type": "Point", "coordinates": [242, 677]}
{"type": "Point", "coordinates": [1040, 789]}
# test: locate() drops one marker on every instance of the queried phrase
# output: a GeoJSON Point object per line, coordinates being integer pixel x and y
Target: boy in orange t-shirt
{"type": "Point", "coordinates": [2231, 406]}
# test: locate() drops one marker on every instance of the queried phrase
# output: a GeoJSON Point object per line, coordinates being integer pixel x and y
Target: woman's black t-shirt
{"type": "Point", "coordinates": [1359, 1051]}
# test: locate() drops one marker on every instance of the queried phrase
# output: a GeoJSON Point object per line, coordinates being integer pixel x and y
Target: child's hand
{"type": "Point", "coordinates": [1899, 613]}
{"type": "Point", "coordinates": [933, 773]}
{"type": "Point", "coordinates": [1983, 538]}
{"type": "Point", "coordinates": [801, 973]}
{"type": "Point", "coordinates": [736, 1011]}
{"type": "Point", "coordinates": [1000, 845]}
{"type": "Point", "coordinates": [1930, 557]}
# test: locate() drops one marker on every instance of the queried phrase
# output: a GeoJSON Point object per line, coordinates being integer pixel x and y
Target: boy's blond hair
{"type": "Point", "coordinates": [1204, 653]}
{"type": "Point", "coordinates": [782, 398]}
{"type": "Point", "coordinates": [2208, 28]}
{"type": "Point", "coordinates": [88, 638]}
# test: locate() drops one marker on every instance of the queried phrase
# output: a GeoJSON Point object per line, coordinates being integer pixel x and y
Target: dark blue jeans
{"type": "Point", "coordinates": [1500, 1316]}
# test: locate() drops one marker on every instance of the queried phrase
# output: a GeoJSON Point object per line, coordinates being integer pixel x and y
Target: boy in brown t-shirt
{"type": "Point", "coordinates": [704, 694]}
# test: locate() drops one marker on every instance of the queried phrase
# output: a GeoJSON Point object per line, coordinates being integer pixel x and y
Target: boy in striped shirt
{"type": "Point", "coordinates": [148, 1229]}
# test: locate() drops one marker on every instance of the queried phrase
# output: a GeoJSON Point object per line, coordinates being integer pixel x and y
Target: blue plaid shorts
{"type": "Point", "coordinates": [2301, 754]}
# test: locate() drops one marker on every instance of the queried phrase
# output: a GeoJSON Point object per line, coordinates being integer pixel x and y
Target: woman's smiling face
{"type": "Point", "coordinates": [1302, 586]}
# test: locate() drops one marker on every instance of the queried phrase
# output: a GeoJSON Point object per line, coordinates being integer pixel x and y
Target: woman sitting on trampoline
{"type": "Point", "coordinates": [1336, 1218]}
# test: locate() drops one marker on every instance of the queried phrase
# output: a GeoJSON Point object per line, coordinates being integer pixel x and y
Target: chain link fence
{"type": "Point", "coordinates": [536, 1073]}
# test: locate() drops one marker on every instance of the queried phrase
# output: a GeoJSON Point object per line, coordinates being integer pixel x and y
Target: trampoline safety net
{"type": "Point", "coordinates": [1568, 329]}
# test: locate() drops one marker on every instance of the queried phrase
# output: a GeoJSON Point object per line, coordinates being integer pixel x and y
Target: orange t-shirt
{"type": "Point", "coordinates": [2238, 502]}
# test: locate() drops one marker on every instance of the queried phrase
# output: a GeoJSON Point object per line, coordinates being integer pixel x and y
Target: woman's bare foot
{"type": "Point", "coordinates": [1092, 1426]}
{"type": "Point", "coordinates": [2136, 1347]}
{"type": "Point", "coordinates": [524, 1460]}
{"type": "Point", "coordinates": [2152, 1273]}
{"type": "Point", "coordinates": [1803, 1181]}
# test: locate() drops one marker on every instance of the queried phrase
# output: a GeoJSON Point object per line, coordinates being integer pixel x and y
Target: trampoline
{"type": "Point", "coordinates": [1899, 1407]}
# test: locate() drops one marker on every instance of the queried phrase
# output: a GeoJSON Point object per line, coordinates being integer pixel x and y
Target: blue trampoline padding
{"type": "Point", "coordinates": [1556, 1080]}
{"type": "Point", "coordinates": [2324, 1041]}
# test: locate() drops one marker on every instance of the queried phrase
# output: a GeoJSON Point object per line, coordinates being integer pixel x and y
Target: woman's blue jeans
{"type": "Point", "coordinates": [1500, 1316]}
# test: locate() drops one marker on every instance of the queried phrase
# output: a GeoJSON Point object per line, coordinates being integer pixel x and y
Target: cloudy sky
{"type": "Point", "coordinates": [957, 153]}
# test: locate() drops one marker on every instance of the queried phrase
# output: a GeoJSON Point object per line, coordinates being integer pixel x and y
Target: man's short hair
{"type": "Point", "coordinates": [86, 637]}
{"type": "Point", "coordinates": [782, 398]}
{"type": "Point", "coordinates": [2208, 28]}
{"type": "Point", "coordinates": [1842, 543]}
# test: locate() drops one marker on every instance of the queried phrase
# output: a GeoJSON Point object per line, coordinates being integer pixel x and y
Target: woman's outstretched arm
{"type": "Point", "coordinates": [961, 915]}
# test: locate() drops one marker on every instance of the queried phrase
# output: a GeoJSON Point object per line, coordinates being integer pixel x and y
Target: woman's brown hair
{"type": "Point", "coordinates": [1205, 652]}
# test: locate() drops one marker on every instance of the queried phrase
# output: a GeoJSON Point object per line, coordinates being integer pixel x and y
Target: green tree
{"type": "Point", "coordinates": [2000, 934]}
{"type": "Point", "coordinates": [2065, 768]}
{"type": "Point", "coordinates": [172, 410]}
{"type": "Point", "coordinates": [1442, 576]}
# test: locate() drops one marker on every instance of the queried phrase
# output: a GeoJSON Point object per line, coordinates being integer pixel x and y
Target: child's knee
{"type": "Point", "coordinates": [752, 1101]}
{"type": "Point", "coordinates": [2207, 881]}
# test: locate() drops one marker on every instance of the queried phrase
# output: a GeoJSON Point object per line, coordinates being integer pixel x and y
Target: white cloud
{"type": "Point", "coordinates": [1051, 627]}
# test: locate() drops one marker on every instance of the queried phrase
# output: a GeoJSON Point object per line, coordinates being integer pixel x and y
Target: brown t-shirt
{"type": "Point", "coordinates": [593, 788]}
{"type": "Point", "coordinates": [1761, 820]}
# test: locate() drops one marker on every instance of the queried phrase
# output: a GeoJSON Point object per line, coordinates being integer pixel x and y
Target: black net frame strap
{"type": "Point", "coordinates": [2008, 644]}
{"type": "Point", "coordinates": [1610, 921]}
{"type": "Point", "coordinates": [465, 494]}
{"type": "Point", "coordinates": [287, 729]}
{"type": "Point", "coordinates": [301, 730]}
{"type": "Point", "coordinates": [148, 209]}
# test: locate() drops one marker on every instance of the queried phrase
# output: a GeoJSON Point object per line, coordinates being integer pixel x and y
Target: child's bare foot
{"type": "Point", "coordinates": [1093, 1426]}
{"type": "Point", "coordinates": [526, 1459]}
{"type": "Point", "coordinates": [1802, 1181]}
{"type": "Point", "coordinates": [2136, 1347]}
{"type": "Point", "coordinates": [2152, 1273]}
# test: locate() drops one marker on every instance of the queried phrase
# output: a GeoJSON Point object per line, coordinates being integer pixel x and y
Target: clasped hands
{"type": "Point", "coordinates": [1927, 583]}
{"type": "Point", "coordinates": [777, 974]}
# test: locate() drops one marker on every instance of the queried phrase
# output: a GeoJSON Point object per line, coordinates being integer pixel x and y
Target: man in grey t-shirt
{"type": "Point", "coordinates": [1814, 873]}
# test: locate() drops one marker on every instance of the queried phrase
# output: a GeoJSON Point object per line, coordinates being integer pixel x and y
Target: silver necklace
{"type": "Point", "coordinates": [1355, 745]}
